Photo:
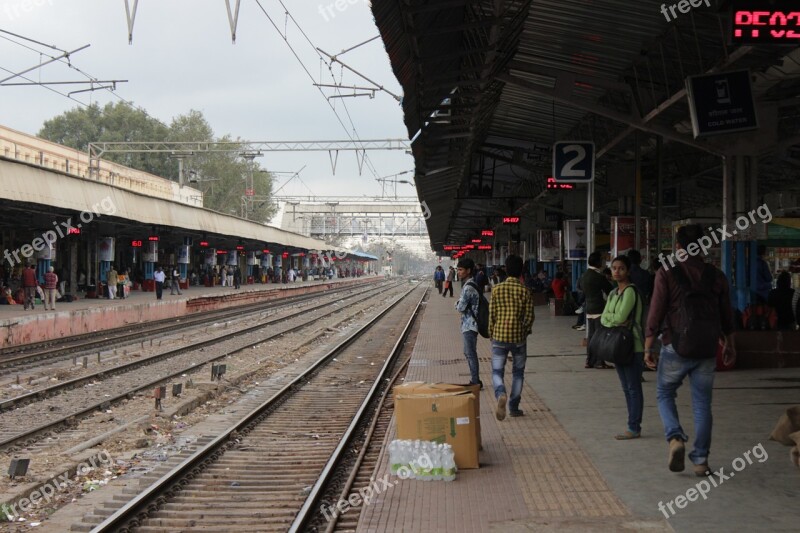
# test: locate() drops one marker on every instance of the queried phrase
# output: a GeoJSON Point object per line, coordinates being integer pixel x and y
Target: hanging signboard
{"type": "Point", "coordinates": [721, 103]}
{"type": "Point", "coordinates": [549, 245]}
{"type": "Point", "coordinates": [574, 243]}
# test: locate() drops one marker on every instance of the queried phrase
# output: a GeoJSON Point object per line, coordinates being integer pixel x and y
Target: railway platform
{"type": "Point", "coordinates": [558, 467]}
{"type": "Point", "coordinates": [18, 326]}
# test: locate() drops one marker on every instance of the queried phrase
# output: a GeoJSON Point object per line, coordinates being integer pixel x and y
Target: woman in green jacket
{"type": "Point", "coordinates": [624, 308]}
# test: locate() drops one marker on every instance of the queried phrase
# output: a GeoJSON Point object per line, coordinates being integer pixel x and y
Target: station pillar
{"type": "Point", "coordinates": [149, 260]}
{"type": "Point", "coordinates": [741, 276]}
{"type": "Point", "coordinates": [184, 257]}
{"type": "Point", "coordinates": [105, 256]}
{"type": "Point", "coordinates": [578, 269]}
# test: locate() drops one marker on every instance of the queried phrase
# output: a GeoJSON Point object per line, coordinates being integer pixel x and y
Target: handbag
{"type": "Point", "coordinates": [615, 344]}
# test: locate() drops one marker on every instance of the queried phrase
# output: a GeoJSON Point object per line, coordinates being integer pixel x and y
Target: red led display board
{"type": "Point", "coordinates": [487, 233]}
{"type": "Point", "coordinates": [553, 184]}
{"type": "Point", "coordinates": [74, 231]}
{"type": "Point", "coordinates": [758, 21]}
{"type": "Point", "coordinates": [153, 238]}
{"type": "Point", "coordinates": [203, 244]}
{"type": "Point", "coordinates": [475, 241]}
{"type": "Point", "coordinates": [485, 247]}
{"type": "Point", "coordinates": [450, 247]}
{"type": "Point", "coordinates": [510, 220]}
{"type": "Point", "coordinates": [136, 244]}
{"type": "Point", "coordinates": [240, 247]}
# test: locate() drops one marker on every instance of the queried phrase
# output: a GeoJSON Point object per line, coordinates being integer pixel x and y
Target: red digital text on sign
{"type": "Point", "coordinates": [774, 25]}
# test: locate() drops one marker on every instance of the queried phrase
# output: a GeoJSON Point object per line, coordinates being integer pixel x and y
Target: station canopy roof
{"type": "Point", "coordinates": [490, 85]}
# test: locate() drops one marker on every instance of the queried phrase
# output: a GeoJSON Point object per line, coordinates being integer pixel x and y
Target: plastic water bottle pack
{"type": "Point", "coordinates": [423, 460]}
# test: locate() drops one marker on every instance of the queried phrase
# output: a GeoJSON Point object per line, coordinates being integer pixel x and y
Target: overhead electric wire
{"type": "Point", "coordinates": [46, 87]}
{"type": "Point", "coordinates": [91, 78]}
{"type": "Point", "coordinates": [330, 69]}
{"type": "Point", "coordinates": [370, 166]}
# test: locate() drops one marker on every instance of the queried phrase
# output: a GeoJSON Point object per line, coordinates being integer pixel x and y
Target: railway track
{"type": "Point", "coordinates": [161, 367]}
{"type": "Point", "coordinates": [22, 358]}
{"type": "Point", "coordinates": [269, 470]}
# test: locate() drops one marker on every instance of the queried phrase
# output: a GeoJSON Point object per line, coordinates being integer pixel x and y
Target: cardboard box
{"type": "Point", "coordinates": [430, 412]}
{"type": "Point", "coordinates": [422, 387]}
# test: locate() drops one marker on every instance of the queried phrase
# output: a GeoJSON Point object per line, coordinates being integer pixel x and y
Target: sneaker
{"type": "Point", "coordinates": [516, 412]}
{"type": "Point", "coordinates": [579, 311]}
{"type": "Point", "coordinates": [500, 412]}
{"type": "Point", "coordinates": [702, 470]}
{"type": "Point", "coordinates": [582, 327]}
{"type": "Point", "coordinates": [676, 454]}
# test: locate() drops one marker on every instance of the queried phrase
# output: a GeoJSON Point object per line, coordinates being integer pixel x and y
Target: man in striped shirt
{"type": "Point", "coordinates": [510, 320]}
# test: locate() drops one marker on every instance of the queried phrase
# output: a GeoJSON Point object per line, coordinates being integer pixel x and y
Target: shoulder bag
{"type": "Point", "coordinates": [616, 344]}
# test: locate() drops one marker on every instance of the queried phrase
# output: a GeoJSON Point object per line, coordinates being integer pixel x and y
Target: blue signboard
{"type": "Point", "coordinates": [573, 161]}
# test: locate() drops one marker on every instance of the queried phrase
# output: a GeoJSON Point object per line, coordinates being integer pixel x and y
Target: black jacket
{"type": "Point", "coordinates": [594, 284]}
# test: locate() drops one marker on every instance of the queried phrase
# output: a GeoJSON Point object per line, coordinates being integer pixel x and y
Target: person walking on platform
{"type": "Point", "coordinates": [691, 308]}
{"type": "Point", "coordinates": [159, 278]}
{"type": "Point", "coordinates": [230, 276]}
{"type": "Point", "coordinates": [448, 283]}
{"type": "Point", "coordinates": [624, 308]}
{"type": "Point", "coordinates": [467, 305]}
{"type": "Point", "coordinates": [237, 277]}
{"type": "Point", "coordinates": [50, 289]}
{"type": "Point", "coordinates": [510, 320]}
{"type": "Point", "coordinates": [29, 284]}
{"type": "Point", "coordinates": [438, 278]}
{"type": "Point", "coordinates": [176, 281]}
{"type": "Point", "coordinates": [112, 278]}
{"type": "Point", "coordinates": [223, 276]}
{"type": "Point", "coordinates": [595, 286]}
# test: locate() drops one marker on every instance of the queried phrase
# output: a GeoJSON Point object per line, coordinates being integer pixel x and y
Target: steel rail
{"type": "Point", "coordinates": [132, 330]}
{"type": "Point", "coordinates": [121, 369]}
{"type": "Point", "coordinates": [132, 513]}
{"type": "Point", "coordinates": [48, 426]}
{"type": "Point", "coordinates": [306, 511]}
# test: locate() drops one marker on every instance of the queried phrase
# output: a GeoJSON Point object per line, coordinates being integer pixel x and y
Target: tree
{"type": "Point", "coordinates": [221, 176]}
{"type": "Point", "coordinates": [78, 127]}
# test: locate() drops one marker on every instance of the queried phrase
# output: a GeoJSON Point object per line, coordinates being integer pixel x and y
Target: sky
{"type": "Point", "coordinates": [182, 58]}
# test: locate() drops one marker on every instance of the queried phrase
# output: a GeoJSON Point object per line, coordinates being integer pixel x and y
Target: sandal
{"type": "Point", "coordinates": [628, 435]}
{"type": "Point", "coordinates": [604, 366]}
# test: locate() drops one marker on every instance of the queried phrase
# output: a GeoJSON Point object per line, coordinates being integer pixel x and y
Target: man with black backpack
{"type": "Point", "coordinates": [469, 305]}
{"type": "Point", "coordinates": [691, 308]}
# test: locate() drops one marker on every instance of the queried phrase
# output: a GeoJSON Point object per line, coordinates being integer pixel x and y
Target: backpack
{"type": "Point", "coordinates": [698, 328]}
{"type": "Point", "coordinates": [483, 312]}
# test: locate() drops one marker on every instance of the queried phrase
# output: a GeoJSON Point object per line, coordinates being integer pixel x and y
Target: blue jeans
{"type": "Point", "coordinates": [672, 368]}
{"type": "Point", "coordinates": [519, 353]}
{"type": "Point", "coordinates": [471, 353]}
{"type": "Point", "coordinates": [630, 376]}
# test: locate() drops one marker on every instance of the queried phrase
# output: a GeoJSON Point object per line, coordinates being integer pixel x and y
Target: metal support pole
{"type": "Point", "coordinates": [727, 210]}
{"type": "Point", "coordinates": [637, 194]}
{"type": "Point", "coordinates": [659, 190]}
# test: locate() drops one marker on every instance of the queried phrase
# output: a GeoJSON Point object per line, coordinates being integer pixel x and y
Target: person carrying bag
{"type": "Point", "coordinates": [620, 341]}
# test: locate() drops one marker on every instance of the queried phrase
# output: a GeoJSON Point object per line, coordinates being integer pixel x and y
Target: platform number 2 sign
{"type": "Point", "coordinates": [573, 161]}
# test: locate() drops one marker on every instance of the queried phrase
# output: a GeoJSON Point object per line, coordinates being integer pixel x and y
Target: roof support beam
{"type": "Point", "coordinates": [630, 120]}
